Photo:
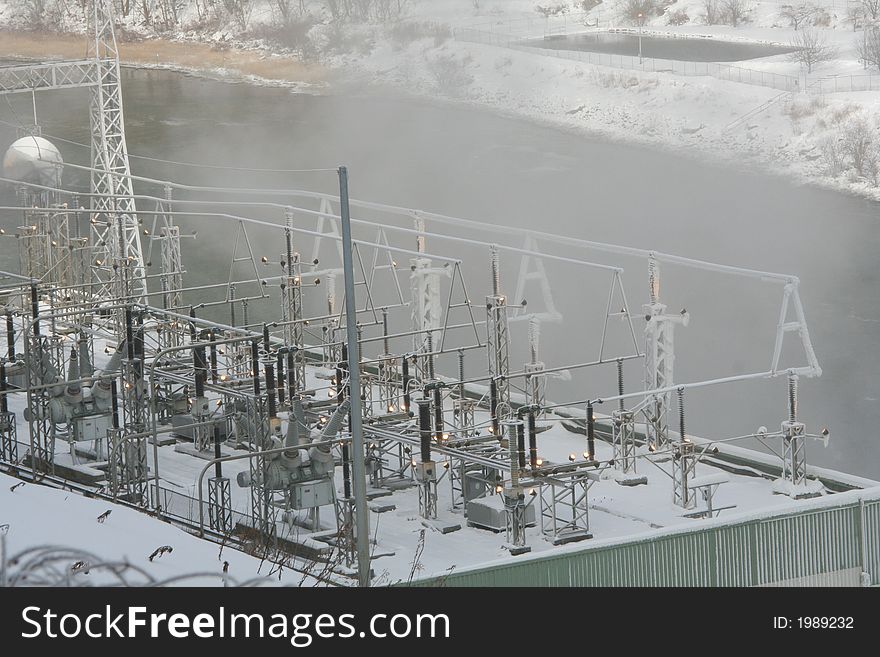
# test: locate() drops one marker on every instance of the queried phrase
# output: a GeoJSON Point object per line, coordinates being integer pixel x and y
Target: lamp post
{"type": "Point", "coordinates": [640, 37]}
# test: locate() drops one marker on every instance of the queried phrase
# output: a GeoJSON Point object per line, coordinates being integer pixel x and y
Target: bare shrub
{"type": "Point", "coordinates": [293, 34]}
{"type": "Point", "coordinates": [798, 15]}
{"type": "Point", "coordinates": [734, 12]}
{"type": "Point", "coordinates": [868, 48]}
{"type": "Point", "coordinates": [552, 10]}
{"type": "Point", "coordinates": [712, 12]}
{"type": "Point", "coordinates": [833, 154]}
{"type": "Point", "coordinates": [43, 14]}
{"type": "Point", "coordinates": [403, 34]}
{"type": "Point", "coordinates": [363, 11]}
{"type": "Point", "coordinates": [822, 18]}
{"type": "Point", "coordinates": [838, 114]}
{"type": "Point", "coordinates": [635, 11]}
{"type": "Point", "coordinates": [858, 143]}
{"type": "Point", "coordinates": [166, 14]}
{"type": "Point", "coordinates": [677, 17]}
{"type": "Point", "coordinates": [797, 110]}
{"type": "Point", "coordinates": [285, 11]}
{"type": "Point", "coordinates": [856, 15]}
{"type": "Point", "coordinates": [239, 11]}
{"type": "Point", "coordinates": [344, 39]}
{"type": "Point", "coordinates": [871, 9]}
{"type": "Point", "coordinates": [725, 12]}
{"type": "Point", "coordinates": [872, 166]}
{"type": "Point", "coordinates": [450, 74]}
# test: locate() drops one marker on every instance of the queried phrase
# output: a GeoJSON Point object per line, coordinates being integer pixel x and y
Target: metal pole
{"type": "Point", "coordinates": [640, 38]}
{"type": "Point", "coordinates": [357, 436]}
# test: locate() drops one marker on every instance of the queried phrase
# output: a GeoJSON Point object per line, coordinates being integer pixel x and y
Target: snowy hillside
{"type": "Point", "coordinates": [827, 135]}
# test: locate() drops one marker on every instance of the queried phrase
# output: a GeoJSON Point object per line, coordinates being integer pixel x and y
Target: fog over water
{"type": "Point", "coordinates": [474, 164]}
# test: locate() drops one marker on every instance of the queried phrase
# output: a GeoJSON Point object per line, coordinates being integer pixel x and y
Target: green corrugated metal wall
{"type": "Point", "coordinates": [832, 545]}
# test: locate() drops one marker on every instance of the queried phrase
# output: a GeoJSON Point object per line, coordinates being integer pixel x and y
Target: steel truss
{"type": "Point", "coordinates": [564, 507]}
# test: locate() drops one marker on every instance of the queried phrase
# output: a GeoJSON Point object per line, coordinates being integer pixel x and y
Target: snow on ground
{"type": "Point", "coordinates": [405, 545]}
{"type": "Point", "coordinates": [32, 515]}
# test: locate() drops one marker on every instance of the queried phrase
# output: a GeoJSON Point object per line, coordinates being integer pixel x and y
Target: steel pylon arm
{"type": "Point", "coordinates": [48, 76]}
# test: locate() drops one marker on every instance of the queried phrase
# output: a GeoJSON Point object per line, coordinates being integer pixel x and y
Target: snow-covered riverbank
{"type": "Point", "coordinates": [828, 139]}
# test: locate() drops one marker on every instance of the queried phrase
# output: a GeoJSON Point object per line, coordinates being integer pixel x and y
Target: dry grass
{"type": "Point", "coordinates": [41, 45]}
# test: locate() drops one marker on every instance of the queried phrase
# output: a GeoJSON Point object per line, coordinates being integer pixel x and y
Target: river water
{"type": "Point", "coordinates": [685, 49]}
{"type": "Point", "coordinates": [475, 164]}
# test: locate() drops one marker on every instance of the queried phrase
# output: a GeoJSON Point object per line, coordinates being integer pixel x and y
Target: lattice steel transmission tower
{"type": "Point", "coordinates": [118, 259]}
{"type": "Point", "coordinates": [659, 359]}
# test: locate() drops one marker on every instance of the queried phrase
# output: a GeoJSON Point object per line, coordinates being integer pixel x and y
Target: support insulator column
{"type": "Point", "coordinates": [425, 468]}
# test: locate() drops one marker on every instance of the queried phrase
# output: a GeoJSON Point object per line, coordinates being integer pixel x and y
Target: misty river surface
{"type": "Point", "coordinates": [685, 49]}
{"type": "Point", "coordinates": [479, 165]}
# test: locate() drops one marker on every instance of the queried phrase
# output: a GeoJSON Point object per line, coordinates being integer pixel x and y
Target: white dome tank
{"type": "Point", "coordinates": [33, 160]}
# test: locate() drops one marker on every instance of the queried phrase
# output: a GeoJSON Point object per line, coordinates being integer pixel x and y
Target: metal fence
{"type": "Point", "coordinates": [834, 541]}
{"type": "Point", "coordinates": [843, 83]}
{"type": "Point", "coordinates": [635, 63]}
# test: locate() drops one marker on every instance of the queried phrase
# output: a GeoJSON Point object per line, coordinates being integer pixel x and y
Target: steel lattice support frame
{"type": "Point", "coordinates": [428, 498]}
{"type": "Point", "coordinates": [345, 530]}
{"type": "Point", "coordinates": [45, 249]}
{"type": "Point", "coordinates": [457, 483]}
{"type": "Point", "coordinates": [292, 311]}
{"type": "Point", "coordinates": [515, 511]}
{"type": "Point", "coordinates": [220, 505]}
{"type": "Point", "coordinates": [536, 379]}
{"type": "Point", "coordinates": [659, 359]}
{"type": "Point", "coordinates": [463, 417]}
{"type": "Point", "coordinates": [498, 348]}
{"type": "Point", "coordinates": [38, 361]}
{"type": "Point", "coordinates": [32, 250]}
{"type": "Point", "coordinates": [172, 262]}
{"type": "Point", "coordinates": [115, 235]}
{"type": "Point", "coordinates": [368, 381]}
{"type": "Point", "coordinates": [263, 509]}
{"type": "Point", "coordinates": [684, 461]}
{"type": "Point", "coordinates": [128, 467]}
{"type": "Point", "coordinates": [330, 346]}
{"type": "Point", "coordinates": [427, 316]}
{"type": "Point", "coordinates": [461, 471]}
{"type": "Point", "coordinates": [623, 439]}
{"type": "Point", "coordinates": [389, 386]}
{"type": "Point", "coordinates": [8, 438]}
{"type": "Point", "coordinates": [134, 392]}
{"type": "Point", "coordinates": [380, 453]}
{"type": "Point", "coordinates": [794, 458]}
{"type": "Point", "coordinates": [129, 445]}
{"type": "Point", "coordinates": [564, 510]}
